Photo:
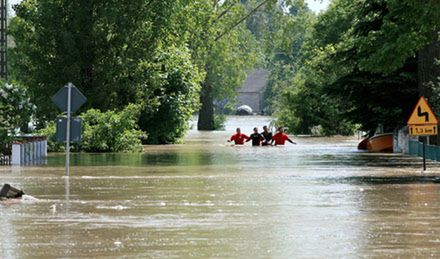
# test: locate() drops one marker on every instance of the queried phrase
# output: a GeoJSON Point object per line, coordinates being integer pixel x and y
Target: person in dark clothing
{"type": "Point", "coordinates": [256, 138]}
{"type": "Point", "coordinates": [267, 136]}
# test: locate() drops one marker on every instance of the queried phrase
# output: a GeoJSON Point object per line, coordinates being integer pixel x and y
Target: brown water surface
{"type": "Point", "coordinates": [205, 198]}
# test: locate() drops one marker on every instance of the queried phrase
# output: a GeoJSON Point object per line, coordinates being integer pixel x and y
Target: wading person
{"type": "Point", "coordinates": [281, 137]}
{"type": "Point", "coordinates": [238, 137]}
{"type": "Point", "coordinates": [256, 138]}
{"type": "Point", "coordinates": [267, 136]}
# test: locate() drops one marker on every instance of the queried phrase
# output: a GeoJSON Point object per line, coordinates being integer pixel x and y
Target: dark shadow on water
{"type": "Point", "coordinates": [359, 159]}
{"type": "Point", "coordinates": [130, 159]}
{"type": "Point", "coordinates": [376, 180]}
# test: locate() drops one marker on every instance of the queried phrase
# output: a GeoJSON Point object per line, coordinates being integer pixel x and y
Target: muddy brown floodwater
{"type": "Point", "coordinates": [205, 199]}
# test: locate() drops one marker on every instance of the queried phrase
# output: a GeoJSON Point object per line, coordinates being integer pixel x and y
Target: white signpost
{"type": "Point", "coordinates": [69, 99]}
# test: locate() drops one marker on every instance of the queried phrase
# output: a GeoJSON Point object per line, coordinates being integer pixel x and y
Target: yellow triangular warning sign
{"type": "Point", "coordinates": [422, 114]}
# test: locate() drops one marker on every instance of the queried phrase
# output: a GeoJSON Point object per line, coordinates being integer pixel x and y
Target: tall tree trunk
{"type": "Point", "coordinates": [206, 112]}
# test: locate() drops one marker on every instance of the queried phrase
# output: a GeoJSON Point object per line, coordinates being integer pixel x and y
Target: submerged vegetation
{"type": "Point", "coordinates": [147, 67]}
{"type": "Point", "coordinates": [109, 131]}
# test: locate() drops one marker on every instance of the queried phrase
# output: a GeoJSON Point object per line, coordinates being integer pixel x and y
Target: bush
{"type": "Point", "coordinates": [15, 110]}
{"type": "Point", "coordinates": [112, 131]}
{"type": "Point", "coordinates": [52, 144]}
{"type": "Point", "coordinates": [219, 121]}
{"type": "Point", "coordinates": [109, 131]}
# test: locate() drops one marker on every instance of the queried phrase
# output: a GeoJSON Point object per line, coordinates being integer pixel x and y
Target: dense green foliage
{"type": "Point", "coordinates": [50, 132]}
{"type": "Point", "coordinates": [109, 131]}
{"type": "Point", "coordinates": [166, 114]}
{"type": "Point", "coordinates": [97, 45]}
{"type": "Point", "coordinates": [158, 54]}
{"type": "Point", "coordinates": [15, 110]}
{"type": "Point", "coordinates": [357, 65]}
{"type": "Point", "coordinates": [219, 122]}
{"type": "Point", "coordinates": [115, 52]}
{"type": "Point", "coordinates": [361, 62]}
{"type": "Point", "coordinates": [224, 48]}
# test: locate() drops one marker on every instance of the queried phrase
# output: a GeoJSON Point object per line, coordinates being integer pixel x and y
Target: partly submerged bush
{"type": "Point", "coordinates": [52, 144]}
{"type": "Point", "coordinates": [112, 131]}
{"type": "Point", "coordinates": [109, 131]}
{"type": "Point", "coordinates": [219, 121]}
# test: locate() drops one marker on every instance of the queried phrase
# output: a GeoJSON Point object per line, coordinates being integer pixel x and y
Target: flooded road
{"type": "Point", "coordinates": [205, 199]}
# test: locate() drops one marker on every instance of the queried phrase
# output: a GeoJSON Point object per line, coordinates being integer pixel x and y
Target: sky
{"type": "Point", "coordinates": [315, 5]}
{"type": "Point", "coordinates": [318, 5]}
{"type": "Point", "coordinates": [11, 2]}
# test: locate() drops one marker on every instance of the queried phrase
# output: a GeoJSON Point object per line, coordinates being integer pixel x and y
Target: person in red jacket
{"type": "Point", "coordinates": [281, 137]}
{"type": "Point", "coordinates": [238, 138]}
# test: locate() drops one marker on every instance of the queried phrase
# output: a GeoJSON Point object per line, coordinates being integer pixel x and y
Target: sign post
{"type": "Point", "coordinates": [69, 99]}
{"type": "Point", "coordinates": [69, 102]}
{"type": "Point", "coordinates": [423, 123]}
{"type": "Point", "coordinates": [424, 153]}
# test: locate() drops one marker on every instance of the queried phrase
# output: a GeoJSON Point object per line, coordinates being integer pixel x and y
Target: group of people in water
{"type": "Point", "coordinates": [264, 138]}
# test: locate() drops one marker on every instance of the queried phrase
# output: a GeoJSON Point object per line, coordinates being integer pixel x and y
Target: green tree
{"type": "Point", "coordinates": [166, 113]}
{"type": "Point", "coordinates": [284, 41]}
{"type": "Point", "coordinates": [359, 65]}
{"type": "Point", "coordinates": [115, 52]}
{"type": "Point", "coordinates": [224, 48]}
{"type": "Point", "coordinates": [97, 45]}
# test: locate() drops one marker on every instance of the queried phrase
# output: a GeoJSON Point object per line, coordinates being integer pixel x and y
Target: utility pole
{"type": "Point", "coordinates": [3, 39]}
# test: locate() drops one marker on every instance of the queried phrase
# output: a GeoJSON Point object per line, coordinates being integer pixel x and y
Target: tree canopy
{"type": "Point", "coordinates": [159, 54]}
{"type": "Point", "coordinates": [359, 66]}
{"type": "Point", "coordinates": [361, 63]}
{"type": "Point", "coordinates": [115, 52]}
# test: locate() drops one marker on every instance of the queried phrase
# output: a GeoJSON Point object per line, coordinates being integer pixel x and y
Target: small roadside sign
{"type": "Point", "coordinates": [77, 98]}
{"type": "Point", "coordinates": [422, 114]}
{"type": "Point", "coordinates": [423, 130]}
{"type": "Point", "coordinates": [75, 129]}
{"type": "Point", "coordinates": [422, 122]}
{"type": "Point", "coordinates": [69, 99]}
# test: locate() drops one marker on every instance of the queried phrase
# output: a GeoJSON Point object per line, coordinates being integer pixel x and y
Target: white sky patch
{"type": "Point", "coordinates": [318, 5]}
{"type": "Point", "coordinates": [11, 3]}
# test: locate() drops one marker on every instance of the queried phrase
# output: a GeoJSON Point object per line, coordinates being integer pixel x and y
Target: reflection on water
{"type": "Point", "coordinates": [206, 198]}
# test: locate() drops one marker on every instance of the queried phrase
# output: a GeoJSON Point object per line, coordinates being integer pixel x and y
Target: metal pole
{"type": "Point", "coordinates": [67, 188]}
{"type": "Point", "coordinates": [3, 39]}
{"type": "Point", "coordinates": [69, 99]}
{"type": "Point", "coordinates": [424, 153]}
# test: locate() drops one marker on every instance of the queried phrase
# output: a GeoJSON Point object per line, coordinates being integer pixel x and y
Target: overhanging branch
{"type": "Point", "coordinates": [241, 20]}
{"type": "Point", "coordinates": [225, 11]}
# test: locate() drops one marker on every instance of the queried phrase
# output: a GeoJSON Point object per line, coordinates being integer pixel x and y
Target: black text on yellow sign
{"type": "Point", "coordinates": [422, 114]}
{"type": "Point", "coordinates": [423, 130]}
